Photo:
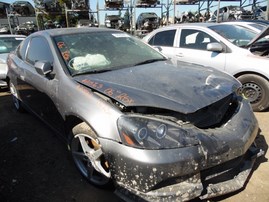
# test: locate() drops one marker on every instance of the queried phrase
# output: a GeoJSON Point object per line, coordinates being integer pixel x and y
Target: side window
{"type": "Point", "coordinates": [164, 38]}
{"type": "Point", "coordinates": [21, 50]}
{"type": "Point", "coordinates": [39, 50]}
{"type": "Point", "coordinates": [195, 39]}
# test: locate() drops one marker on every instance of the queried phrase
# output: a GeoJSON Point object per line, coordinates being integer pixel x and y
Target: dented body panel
{"type": "Point", "coordinates": [161, 92]}
{"type": "Point", "coordinates": [167, 132]}
{"type": "Point", "coordinates": [146, 172]}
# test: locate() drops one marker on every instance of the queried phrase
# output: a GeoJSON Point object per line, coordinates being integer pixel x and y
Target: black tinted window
{"type": "Point", "coordinates": [39, 50]}
{"type": "Point", "coordinates": [165, 38]}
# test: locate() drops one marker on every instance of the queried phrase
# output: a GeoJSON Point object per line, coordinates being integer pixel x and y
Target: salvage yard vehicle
{"type": "Point", "coordinates": [147, 3]}
{"type": "Point", "coordinates": [114, 21]}
{"type": "Point", "coordinates": [4, 29]}
{"type": "Point", "coordinates": [26, 28]}
{"type": "Point", "coordinates": [159, 131]}
{"type": "Point", "coordinates": [114, 4]}
{"type": "Point", "coordinates": [186, 1]}
{"type": "Point", "coordinates": [230, 13]}
{"type": "Point", "coordinates": [235, 49]}
{"type": "Point", "coordinates": [8, 43]}
{"type": "Point", "coordinates": [24, 8]}
{"type": "Point", "coordinates": [147, 21]}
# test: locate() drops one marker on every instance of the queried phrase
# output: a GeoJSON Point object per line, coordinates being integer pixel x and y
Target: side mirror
{"type": "Point", "coordinates": [43, 67]}
{"type": "Point", "coordinates": [215, 47]}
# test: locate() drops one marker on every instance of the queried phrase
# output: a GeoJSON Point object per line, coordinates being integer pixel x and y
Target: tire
{"type": "Point", "coordinates": [88, 156]}
{"type": "Point", "coordinates": [15, 98]}
{"type": "Point", "coordinates": [256, 89]}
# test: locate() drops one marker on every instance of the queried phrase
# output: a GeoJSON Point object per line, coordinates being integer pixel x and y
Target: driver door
{"type": "Point", "coordinates": [41, 91]}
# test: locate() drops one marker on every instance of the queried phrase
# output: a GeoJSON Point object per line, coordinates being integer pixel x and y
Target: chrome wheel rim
{"type": "Point", "coordinates": [252, 91]}
{"type": "Point", "coordinates": [14, 96]}
{"type": "Point", "coordinates": [89, 158]}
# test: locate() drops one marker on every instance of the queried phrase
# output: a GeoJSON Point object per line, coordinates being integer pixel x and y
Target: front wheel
{"type": "Point", "coordinates": [88, 155]}
{"type": "Point", "coordinates": [16, 101]}
{"type": "Point", "coordinates": [256, 89]}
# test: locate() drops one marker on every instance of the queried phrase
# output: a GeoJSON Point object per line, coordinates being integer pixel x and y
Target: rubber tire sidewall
{"type": "Point", "coordinates": [263, 104]}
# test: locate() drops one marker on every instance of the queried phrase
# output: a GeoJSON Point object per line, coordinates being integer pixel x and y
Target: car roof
{"type": "Point", "coordinates": [73, 30]}
{"type": "Point", "coordinates": [198, 24]}
{"type": "Point", "coordinates": [252, 21]}
{"type": "Point", "coordinates": [243, 23]}
{"type": "Point", "coordinates": [238, 22]}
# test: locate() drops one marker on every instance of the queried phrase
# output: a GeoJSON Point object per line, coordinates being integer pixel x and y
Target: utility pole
{"type": "Point", "coordinates": [173, 21]}
{"type": "Point", "coordinates": [134, 18]}
{"type": "Point", "coordinates": [267, 11]}
{"type": "Point", "coordinates": [66, 16]}
{"type": "Point", "coordinates": [9, 24]}
{"type": "Point", "coordinates": [98, 14]}
{"type": "Point", "coordinates": [167, 13]}
{"type": "Point", "coordinates": [217, 20]}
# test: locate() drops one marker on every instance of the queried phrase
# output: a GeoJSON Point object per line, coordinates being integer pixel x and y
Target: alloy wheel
{"type": "Point", "coordinates": [89, 159]}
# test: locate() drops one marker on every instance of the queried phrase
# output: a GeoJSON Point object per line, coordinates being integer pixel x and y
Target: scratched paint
{"type": "Point", "coordinates": [93, 84]}
{"type": "Point", "coordinates": [111, 92]}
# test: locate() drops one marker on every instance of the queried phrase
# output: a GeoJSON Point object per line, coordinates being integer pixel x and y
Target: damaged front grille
{"type": "Point", "coordinates": [216, 114]}
{"type": "Point", "coordinates": [212, 116]}
{"type": "Point", "coordinates": [231, 174]}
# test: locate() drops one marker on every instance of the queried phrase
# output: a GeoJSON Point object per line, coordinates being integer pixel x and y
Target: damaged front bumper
{"type": "Point", "coordinates": [205, 185]}
{"type": "Point", "coordinates": [220, 164]}
{"type": "Point", "coordinates": [239, 174]}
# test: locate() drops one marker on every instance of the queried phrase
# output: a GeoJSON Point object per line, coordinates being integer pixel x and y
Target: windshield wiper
{"type": "Point", "coordinates": [94, 71]}
{"type": "Point", "coordinates": [150, 61]}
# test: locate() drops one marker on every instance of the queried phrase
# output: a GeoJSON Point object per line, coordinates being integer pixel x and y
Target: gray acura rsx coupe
{"type": "Point", "coordinates": [158, 131]}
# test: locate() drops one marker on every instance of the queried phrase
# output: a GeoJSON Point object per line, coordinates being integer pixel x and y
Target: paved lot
{"type": "Point", "coordinates": [35, 165]}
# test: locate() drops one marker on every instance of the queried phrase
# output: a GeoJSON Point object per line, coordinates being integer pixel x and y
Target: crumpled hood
{"type": "Point", "coordinates": [186, 88]}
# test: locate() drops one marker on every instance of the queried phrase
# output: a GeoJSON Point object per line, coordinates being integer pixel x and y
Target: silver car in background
{"type": "Point", "coordinates": [8, 43]}
{"type": "Point", "coordinates": [234, 49]}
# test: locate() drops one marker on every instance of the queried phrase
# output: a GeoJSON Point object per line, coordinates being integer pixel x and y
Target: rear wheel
{"type": "Point", "coordinates": [88, 155]}
{"type": "Point", "coordinates": [256, 89]}
{"type": "Point", "coordinates": [16, 101]}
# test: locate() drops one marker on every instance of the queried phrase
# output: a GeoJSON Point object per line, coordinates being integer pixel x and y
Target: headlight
{"type": "Point", "coordinates": [144, 132]}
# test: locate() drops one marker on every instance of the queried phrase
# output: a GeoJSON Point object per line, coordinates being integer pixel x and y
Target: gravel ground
{"type": "Point", "coordinates": [257, 188]}
{"type": "Point", "coordinates": [35, 164]}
